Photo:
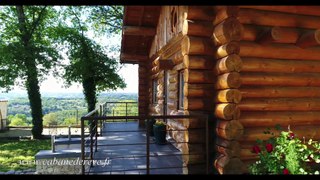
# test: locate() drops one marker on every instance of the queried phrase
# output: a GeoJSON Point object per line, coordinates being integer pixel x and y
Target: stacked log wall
{"type": "Point", "coordinates": [280, 76]}
{"type": "Point", "coordinates": [183, 37]}
{"type": "Point", "coordinates": [226, 35]}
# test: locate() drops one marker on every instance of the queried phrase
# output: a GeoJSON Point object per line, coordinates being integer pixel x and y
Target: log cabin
{"type": "Point", "coordinates": [250, 67]}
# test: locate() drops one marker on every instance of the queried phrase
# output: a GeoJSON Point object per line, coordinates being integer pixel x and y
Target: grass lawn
{"type": "Point", "coordinates": [14, 151]}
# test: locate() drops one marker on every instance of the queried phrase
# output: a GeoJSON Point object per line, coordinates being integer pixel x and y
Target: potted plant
{"type": "Point", "coordinates": [159, 129]}
{"type": "Point", "coordinates": [149, 125]}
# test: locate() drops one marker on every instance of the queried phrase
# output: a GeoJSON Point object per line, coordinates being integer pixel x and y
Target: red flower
{"type": "Point", "coordinates": [269, 147]}
{"type": "Point", "coordinates": [256, 149]}
{"type": "Point", "coordinates": [285, 171]}
{"type": "Point", "coordinates": [291, 135]}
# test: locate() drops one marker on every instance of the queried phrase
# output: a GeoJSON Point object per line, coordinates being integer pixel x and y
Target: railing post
{"type": "Point", "coordinates": [148, 147]}
{"type": "Point", "coordinates": [96, 135]}
{"type": "Point", "coordinates": [207, 144]}
{"type": "Point", "coordinates": [91, 142]}
{"type": "Point", "coordinates": [101, 114]}
{"type": "Point", "coordinates": [69, 132]}
{"type": "Point", "coordinates": [52, 143]}
{"type": "Point", "coordinates": [82, 147]}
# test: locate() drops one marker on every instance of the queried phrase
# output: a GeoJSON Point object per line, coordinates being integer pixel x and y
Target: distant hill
{"type": "Point", "coordinates": [113, 95]}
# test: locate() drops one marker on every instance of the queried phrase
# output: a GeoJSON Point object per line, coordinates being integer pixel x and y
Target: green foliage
{"type": "Point", "coordinates": [89, 63]}
{"type": "Point", "coordinates": [27, 52]}
{"type": "Point", "coordinates": [50, 119]}
{"type": "Point", "coordinates": [285, 154]}
{"type": "Point", "coordinates": [106, 18]}
{"type": "Point", "coordinates": [15, 121]}
{"type": "Point", "coordinates": [70, 121]}
{"type": "Point", "coordinates": [14, 152]}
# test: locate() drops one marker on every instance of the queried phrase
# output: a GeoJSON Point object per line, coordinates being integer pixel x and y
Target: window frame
{"type": "Point", "coordinates": [154, 91]}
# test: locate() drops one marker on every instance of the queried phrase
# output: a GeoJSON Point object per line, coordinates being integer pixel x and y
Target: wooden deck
{"type": "Point", "coordinates": [127, 152]}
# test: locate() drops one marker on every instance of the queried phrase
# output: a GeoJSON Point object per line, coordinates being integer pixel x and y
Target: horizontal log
{"type": "Point", "coordinates": [138, 31]}
{"type": "Point", "coordinates": [303, 10]}
{"type": "Point", "coordinates": [278, 92]}
{"type": "Point", "coordinates": [232, 145]}
{"type": "Point", "coordinates": [230, 130]}
{"type": "Point", "coordinates": [279, 65]}
{"type": "Point", "coordinates": [247, 154]}
{"type": "Point", "coordinates": [198, 90]}
{"type": "Point", "coordinates": [166, 64]}
{"type": "Point", "coordinates": [254, 133]}
{"type": "Point", "coordinates": [197, 104]}
{"type": "Point", "coordinates": [192, 45]}
{"type": "Point", "coordinates": [224, 12]}
{"type": "Point", "coordinates": [280, 34]}
{"type": "Point", "coordinates": [227, 152]}
{"type": "Point", "coordinates": [309, 39]}
{"type": "Point", "coordinates": [227, 31]}
{"type": "Point", "coordinates": [197, 28]}
{"type": "Point", "coordinates": [280, 79]}
{"type": "Point", "coordinates": [198, 62]}
{"type": "Point", "coordinates": [198, 76]}
{"type": "Point", "coordinates": [227, 111]}
{"type": "Point", "coordinates": [228, 95]}
{"type": "Point", "coordinates": [228, 81]}
{"type": "Point", "coordinates": [279, 51]}
{"type": "Point", "coordinates": [132, 58]}
{"type": "Point", "coordinates": [269, 18]}
{"type": "Point", "coordinates": [280, 104]}
{"type": "Point", "coordinates": [227, 49]}
{"type": "Point", "coordinates": [200, 13]}
{"type": "Point", "coordinates": [228, 64]}
{"type": "Point", "coordinates": [227, 165]}
{"type": "Point", "coordinates": [269, 36]}
{"type": "Point", "coordinates": [270, 119]}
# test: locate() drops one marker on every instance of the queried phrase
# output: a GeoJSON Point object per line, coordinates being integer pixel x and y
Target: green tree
{"type": "Point", "coordinates": [27, 53]}
{"type": "Point", "coordinates": [89, 63]}
{"type": "Point", "coordinates": [106, 19]}
{"type": "Point", "coordinates": [50, 119]}
{"type": "Point", "coordinates": [16, 121]}
{"type": "Point", "coordinates": [70, 121]}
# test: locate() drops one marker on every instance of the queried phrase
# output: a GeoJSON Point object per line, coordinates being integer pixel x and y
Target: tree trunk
{"type": "Point", "coordinates": [34, 95]}
{"type": "Point", "coordinates": [32, 83]}
{"type": "Point", "coordinates": [89, 90]}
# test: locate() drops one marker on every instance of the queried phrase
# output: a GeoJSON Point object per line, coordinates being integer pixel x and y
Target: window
{"type": "Point", "coordinates": [181, 94]}
{"type": "Point", "coordinates": [154, 91]}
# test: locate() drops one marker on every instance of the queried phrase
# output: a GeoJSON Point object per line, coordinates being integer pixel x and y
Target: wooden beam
{"type": "Point", "coordinates": [227, 31]}
{"type": "Point", "coordinates": [166, 64]}
{"type": "Point", "coordinates": [224, 12]}
{"type": "Point", "coordinates": [138, 31]}
{"type": "Point", "coordinates": [269, 18]}
{"type": "Point", "coordinates": [271, 118]}
{"type": "Point", "coordinates": [228, 165]}
{"type": "Point", "coordinates": [278, 92]}
{"type": "Point", "coordinates": [280, 104]}
{"type": "Point", "coordinates": [230, 130]}
{"type": "Point", "coordinates": [303, 10]}
{"type": "Point", "coordinates": [309, 39]}
{"type": "Point", "coordinates": [278, 51]}
{"type": "Point", "coordinates": [279, 65]}
{"type": "Point", "coordinates": [280, 79]}
{"type": "Point", "coordinates": [132, 58]}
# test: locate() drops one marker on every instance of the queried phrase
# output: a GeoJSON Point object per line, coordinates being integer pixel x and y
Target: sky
{"type": "Point", "coordinates": [128, 72]}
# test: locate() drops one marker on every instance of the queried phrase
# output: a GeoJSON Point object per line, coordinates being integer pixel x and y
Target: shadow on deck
{"type": "Point", "coordinates": [126, 152]}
